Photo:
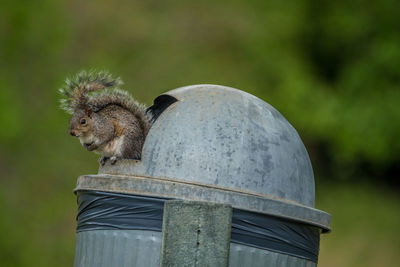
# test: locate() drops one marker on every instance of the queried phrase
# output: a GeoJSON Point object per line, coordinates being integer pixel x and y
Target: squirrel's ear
{"type": "Point", "coordinates": [88, 111]}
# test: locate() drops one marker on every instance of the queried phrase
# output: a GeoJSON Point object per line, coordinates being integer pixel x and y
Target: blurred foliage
{"type": "Point", "coordinates": [330, 67]}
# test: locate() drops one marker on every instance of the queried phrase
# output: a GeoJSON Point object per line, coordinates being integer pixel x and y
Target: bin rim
{"type": "Point", "coordinates": [178, 189]}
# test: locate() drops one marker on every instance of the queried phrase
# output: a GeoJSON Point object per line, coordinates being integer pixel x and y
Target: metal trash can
{"type": "Point", "coordinates": [208, 143]}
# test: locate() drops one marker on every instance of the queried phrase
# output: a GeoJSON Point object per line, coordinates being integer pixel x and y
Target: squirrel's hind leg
{"type": "Point", "coordinates": [103, 160]}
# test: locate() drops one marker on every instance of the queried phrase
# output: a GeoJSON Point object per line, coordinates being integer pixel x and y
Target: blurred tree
{"type": "Point", "coordinates": [354, 52]}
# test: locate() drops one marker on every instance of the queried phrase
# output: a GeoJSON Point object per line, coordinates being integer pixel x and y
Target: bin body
{"type": "Point", "coordinates": [214, 144]}
{"type": "Point", "coordinates": [128, 248]}
{"type": "Point", "coordinates": [117, 248]}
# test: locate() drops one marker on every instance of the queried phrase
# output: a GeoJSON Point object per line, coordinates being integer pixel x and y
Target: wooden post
{"type": "Point", "coordinates": [195, 234]}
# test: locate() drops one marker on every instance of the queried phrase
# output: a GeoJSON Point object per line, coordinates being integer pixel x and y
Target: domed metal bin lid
{"type": "Point", "coordinates": [219, 144]}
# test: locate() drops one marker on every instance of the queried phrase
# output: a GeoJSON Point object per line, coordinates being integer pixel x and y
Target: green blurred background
{"type": "Point", "coordinates": [332, 68]}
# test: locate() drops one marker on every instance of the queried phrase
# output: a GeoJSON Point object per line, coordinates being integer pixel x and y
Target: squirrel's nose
{"type": "Point", "coordinates": [72, 132]}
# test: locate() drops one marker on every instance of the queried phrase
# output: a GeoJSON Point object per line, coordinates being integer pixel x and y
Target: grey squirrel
{"type": "Point", "coordinates": [106, 119]}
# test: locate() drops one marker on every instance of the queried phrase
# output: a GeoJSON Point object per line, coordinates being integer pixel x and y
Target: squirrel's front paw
{"type": "Point", "coordinates": [113, 160]}
{"type": "Point", "coordinates": [103, 160]}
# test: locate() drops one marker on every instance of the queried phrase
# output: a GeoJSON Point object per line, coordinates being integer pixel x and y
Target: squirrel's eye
{"type": "Point", "coordinates": [83, 121]}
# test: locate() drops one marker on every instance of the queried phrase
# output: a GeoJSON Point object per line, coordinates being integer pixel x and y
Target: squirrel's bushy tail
{"type": "Point", "coordinates": [78, 88]}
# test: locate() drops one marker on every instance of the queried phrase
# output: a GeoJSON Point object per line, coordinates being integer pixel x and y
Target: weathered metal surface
{"type": "Point", "coordinates": [225, 137]}
{"type": "Point", "coordinates": [241, 255]}
{"type": "Point", "coordinates": [122, 248]}
{"type": "Point", "coordinates": [175, 189]}
{"type": "Point", "coordinates": [135, 248]}
{"type": "Point", "coordinates": [195, 234]}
